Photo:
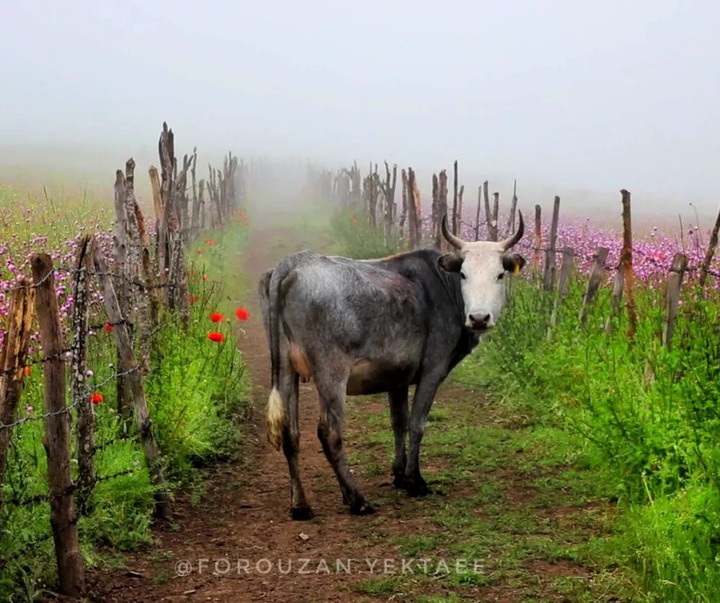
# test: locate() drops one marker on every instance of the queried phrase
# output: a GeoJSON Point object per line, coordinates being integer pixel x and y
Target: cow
{"type": "Point", "coordinates": [360, 327]}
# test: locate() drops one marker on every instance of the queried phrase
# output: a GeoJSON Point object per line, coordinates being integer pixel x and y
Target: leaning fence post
{"type": "Point", "coordinates": [78, 380]}
{"type": "Point", "coordinates": [672, 297]}
{"type": "Point", "coordinates": [596, 275]}
{"type": "Point", "coordinates": [57, 431]}
{"type": "Point", "coordinates": [131, 370]}
{"type": "Point", "coordinates": [13, 356]}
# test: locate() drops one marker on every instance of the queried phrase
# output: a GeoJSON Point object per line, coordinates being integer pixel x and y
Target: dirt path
{"type": "Point", "coordinates": [238, 544]}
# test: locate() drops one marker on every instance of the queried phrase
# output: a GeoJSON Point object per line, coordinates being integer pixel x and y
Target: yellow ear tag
{"type": "Point", "coordinates": [516, 269]}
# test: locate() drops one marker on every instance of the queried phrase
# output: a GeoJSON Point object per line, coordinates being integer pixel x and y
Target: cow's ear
{"type": "Point", "coordinates": [452, 262]}
{"type": "Point", "coordinates": [514, 262]}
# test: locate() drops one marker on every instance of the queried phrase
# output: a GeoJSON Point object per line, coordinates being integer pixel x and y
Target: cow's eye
{"type": "Point", "coordinates": [501, 276]}
{"type": "Point", "coordinates": [462, 275]}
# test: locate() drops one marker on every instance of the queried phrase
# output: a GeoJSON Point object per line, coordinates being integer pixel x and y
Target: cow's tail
{"type": "Point", "coordinates": [275, 413]}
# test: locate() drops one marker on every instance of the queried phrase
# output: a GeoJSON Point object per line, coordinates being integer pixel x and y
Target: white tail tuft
{"type": "Point", "coordinates": [275, 418]}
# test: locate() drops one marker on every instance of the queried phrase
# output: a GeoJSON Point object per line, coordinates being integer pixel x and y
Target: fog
{"type": "Point", "coordinates": [568, 98]}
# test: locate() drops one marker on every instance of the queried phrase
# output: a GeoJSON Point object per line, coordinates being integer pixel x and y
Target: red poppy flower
{"type": "Point", "coordinates": [242, 314]}
{"type": "Point", "coordinates": [199, 251]}
{"type": "Point", "coordinates": [205, 277]}
{"type": "Point", "coordinates": [216, 317]}
{"type": "Point", "coordinates": [210, 243]}
{"type": "Point", "coordinates": [108, 327]}
{"type": "Point", "coordinates": [96, 398]}
{"type": "Point", "coordinates": [27, 370]}
{"type": "Point", "coordinates": [215, 336]}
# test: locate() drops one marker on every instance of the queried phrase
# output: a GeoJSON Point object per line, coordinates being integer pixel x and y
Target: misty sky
{"type": "Point", "coordinates": [597, 95]}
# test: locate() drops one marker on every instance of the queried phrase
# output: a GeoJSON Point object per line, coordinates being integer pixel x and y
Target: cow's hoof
{"type": "Point", "coordinates": [416, 488]}
{"type": "Point", "coordinates": [361, 507]}
{"type": "Point", "coordinates": [301, 513]}
{"type": "Point", "coordinates": [399, 482]}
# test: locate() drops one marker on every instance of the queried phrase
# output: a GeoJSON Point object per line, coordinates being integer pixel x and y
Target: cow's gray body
{"type": "Point", "coordinates": [360, 327]}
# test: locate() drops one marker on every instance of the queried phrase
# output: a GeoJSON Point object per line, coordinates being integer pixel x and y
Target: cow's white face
{"type": "Point", "coordinates": [483, 267]}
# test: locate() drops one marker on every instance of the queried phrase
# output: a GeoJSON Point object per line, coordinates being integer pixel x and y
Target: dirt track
{"type": "Point", "coordinates": [234, 539]}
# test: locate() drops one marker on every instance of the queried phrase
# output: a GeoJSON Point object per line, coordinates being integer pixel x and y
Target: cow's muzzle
{"type": "Point", "coordinates": [480, 322]}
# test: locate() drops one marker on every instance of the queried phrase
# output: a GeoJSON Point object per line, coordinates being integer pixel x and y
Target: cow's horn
{"type": "Point", "coordinates": [456, 242]}
{"type": "Point", "coordinates": [512, 241]}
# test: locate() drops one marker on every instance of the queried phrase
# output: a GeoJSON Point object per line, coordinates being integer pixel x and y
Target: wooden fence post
{"type": "Point", "coordinates": [63, 519]}
{"type": "Point", "coordinates": [672, 297]}
{"type": "Point", "coordinates": [596, 275]}
{"type": "Point", "coordinates": [477, 214]}
{"type": "Point", "coordinates": [414, 202]}
{"type": "Point", "coordinates": [404, 215]}
{"type": "Point", "coordinates": [510, 228]}
{"type": "Point", "coordinates": [390, 205]}
{"type": "Point", "coordinates": [626, 263]}
{"type": "Point", "coordinates": [160, 241]}
{"type": "Point", "coordinates": [550, 268]}
{"type": "Point", "coordinates": [13, 356]}
{"type": "Point", "coordinates": [435, 214]}
{"type": "Point", "coordinates": [568, 256]}
{"type": "Point", "coordinates": [444, 246]}
{"type": "Point", "coordinates": [78, 380]}
{"type": "Point", "coordinates": [493, 226]}
{"type": "Point", "coordinates": [537, 243]}
{"type": "Point", "coordinates": [488, 213]}
{"type": "Point", "coordinates": [455, 199]}
{"type": "Point", "coordinates": [129, 366]}
{"type": "Point", "coordinates": [461, 192]}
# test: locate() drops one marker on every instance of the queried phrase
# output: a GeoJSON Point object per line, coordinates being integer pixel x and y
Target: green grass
{"type": "Point", "coordinates": [197, 395]}
{"type": "Point", "coordinates": [644, 418]}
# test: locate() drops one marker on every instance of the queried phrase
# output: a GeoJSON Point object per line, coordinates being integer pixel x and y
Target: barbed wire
{"type": "Point", "coordinates": [49, 497]}
{"type": "Point", "coordinates": [74, 404]}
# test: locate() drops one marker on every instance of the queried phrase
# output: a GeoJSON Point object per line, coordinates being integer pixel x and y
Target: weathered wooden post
{"type": "Point", "coordinates": [488, 213]}
{"type": "Point", "coordinates": [568, 256]}
{"type": "Point", "coordinates": [672, 297]}
{"type": "Point", "coordinates": [129, 366]}
{"type": "Point", "coordinates": [626, 264]}
{"type": "Point", "coordinates": [477, 214]}
{"type": "Point", "coordinates": [596, 275]}
{"type": "Point", "coordinates": [80, 393]}
{"type": "Point", "coordinates": [537, 242]}
{"type": "Point", "coordinates": [461, 193]}
{"type": "Point", "coordinates": [550, 268]}
{"type": "Point", "coordinates": [71, 572]}
{"type": "Point", "coordinates": [390, 205]}
{"type": "Point", "coordinates": [513, 207]}
{"type": "Point", "coordinates": [454, 224]}
{"type": "Point", "coordinates": [13, 356]}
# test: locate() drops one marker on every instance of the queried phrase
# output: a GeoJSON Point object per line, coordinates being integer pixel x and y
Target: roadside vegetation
{"type": "Point", "coordinates": [197, 391]}
{"type": "Point", "coordinates": [588, 463]}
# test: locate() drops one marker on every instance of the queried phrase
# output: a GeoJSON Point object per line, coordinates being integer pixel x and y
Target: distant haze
{"type": "Point", "coordinates": [570, 98]}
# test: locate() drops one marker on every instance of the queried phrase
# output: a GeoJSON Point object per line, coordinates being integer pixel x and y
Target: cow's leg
{"type": "Point", "coordinates": [332, 404]}
{"type": "Point", "coordinates": [422, 402]}
{"type": "Point", "coordinates": [299, 507]}
{"type": "Point", "coordinates": [398, 399]}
